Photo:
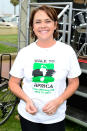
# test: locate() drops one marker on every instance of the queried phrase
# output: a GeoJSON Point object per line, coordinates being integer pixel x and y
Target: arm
{"type": "Point", "coordinates": [14, 85]}
{"type": "Point", "coordinates": [72, 86]}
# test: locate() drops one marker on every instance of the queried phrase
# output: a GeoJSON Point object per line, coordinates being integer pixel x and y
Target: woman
{"type": "Point", "coordinates": [44, 66]}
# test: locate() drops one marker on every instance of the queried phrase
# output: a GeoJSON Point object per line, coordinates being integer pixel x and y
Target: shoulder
{"type": "Point", "coordinates": [65, 47]}
{"type": "Point", "coordinates": [27, 49]}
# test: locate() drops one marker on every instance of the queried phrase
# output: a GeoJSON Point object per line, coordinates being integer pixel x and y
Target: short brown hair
{"type": "Point", "coordinates": [51, 12]}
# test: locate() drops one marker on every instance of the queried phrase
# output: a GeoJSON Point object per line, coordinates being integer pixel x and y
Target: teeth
{"type": "Point", "coordinates": [43, 31]}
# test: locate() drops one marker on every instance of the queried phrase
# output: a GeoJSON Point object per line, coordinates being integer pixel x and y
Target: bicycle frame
{"type": "Point", "coordinates": [8, 101]}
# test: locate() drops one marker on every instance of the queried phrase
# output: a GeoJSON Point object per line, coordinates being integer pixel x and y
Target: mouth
{"type": "Point", "coordinates": [43, 31]}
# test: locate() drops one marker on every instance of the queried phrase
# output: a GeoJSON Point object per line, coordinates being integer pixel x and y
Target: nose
{"type": "Point", "coordinates": [43, 24]}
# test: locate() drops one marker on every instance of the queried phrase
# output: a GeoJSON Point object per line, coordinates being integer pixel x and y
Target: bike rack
{"type": "Point", "coordinates": [7, 98]}
{"type": "Point", "coordinates": [3, 80]}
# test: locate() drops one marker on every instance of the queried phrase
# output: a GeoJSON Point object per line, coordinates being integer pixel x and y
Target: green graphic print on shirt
{"type": "Point", "coordinates": [42, 76]}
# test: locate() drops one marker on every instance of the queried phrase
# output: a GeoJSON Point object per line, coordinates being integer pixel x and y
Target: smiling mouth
{"type": "Point", "coordinates": [43, 31]}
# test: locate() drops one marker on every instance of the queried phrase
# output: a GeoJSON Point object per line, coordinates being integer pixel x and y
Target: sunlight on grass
{"type": "Point", "coordinates": [8, 35]}
{"type": "Point", "coordinates": [7, 49]}
{"type": "Point", "coordinates": [13, 38]}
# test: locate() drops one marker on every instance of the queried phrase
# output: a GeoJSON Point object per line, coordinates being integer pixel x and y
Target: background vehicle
{"type": "Point", "coordinates": [11, 21]}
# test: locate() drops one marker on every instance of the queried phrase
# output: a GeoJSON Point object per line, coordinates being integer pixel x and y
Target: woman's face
{"type": "Point", "coordinates": [43, 26]}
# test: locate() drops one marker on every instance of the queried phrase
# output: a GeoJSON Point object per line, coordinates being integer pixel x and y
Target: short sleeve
{"type": "Point", "coordinates": [74, 67]}
{"type": "Point", "coordinates": [17, 69]}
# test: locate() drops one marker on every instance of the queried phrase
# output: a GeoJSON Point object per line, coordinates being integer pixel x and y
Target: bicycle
{"type": "Point", "coordinates": [8, 100]}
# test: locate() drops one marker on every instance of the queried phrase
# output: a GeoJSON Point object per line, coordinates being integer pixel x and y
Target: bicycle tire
{"type": "Point", "coordinates": [7, 103]}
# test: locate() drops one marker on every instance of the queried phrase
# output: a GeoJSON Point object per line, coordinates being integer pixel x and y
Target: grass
{"type": "Point", "coordinates": [7, 49]}
{"type": "Point", "coordinates": [11, 38]}
{"type": "Point", "coordinates": [12, 124]}
{"type": "Point", "coordinates": [8, 35]}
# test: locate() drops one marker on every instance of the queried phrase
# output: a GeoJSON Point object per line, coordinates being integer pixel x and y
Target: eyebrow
{"type": "Point", "coordinates": [41, 20]}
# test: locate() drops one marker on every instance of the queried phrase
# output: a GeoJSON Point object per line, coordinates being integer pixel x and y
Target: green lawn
{"type": "Point", "coordinates": [8, 35]}
{"type": "Point", "coordinates": [11, 38]}
{"type": "Point", "coordinates": [7, 49]}
{"type": "Point", "coordinates": [12, 124]}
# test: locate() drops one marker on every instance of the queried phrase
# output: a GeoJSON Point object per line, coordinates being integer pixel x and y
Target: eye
{"type": "Point", "coordinates": [48, 21]}
{"type": "Point", "coordinates": [37, 22]}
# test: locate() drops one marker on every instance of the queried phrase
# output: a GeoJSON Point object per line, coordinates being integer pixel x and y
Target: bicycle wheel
{"type": "Point", "coordinates": [7, 103]}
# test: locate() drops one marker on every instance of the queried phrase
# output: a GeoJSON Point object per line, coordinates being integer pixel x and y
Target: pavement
{"type": "Point", "coordinates": [9, 44]}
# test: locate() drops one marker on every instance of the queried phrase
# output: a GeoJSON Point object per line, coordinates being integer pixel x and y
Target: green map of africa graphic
{"type": "Point", "coordinates": [43, 72]}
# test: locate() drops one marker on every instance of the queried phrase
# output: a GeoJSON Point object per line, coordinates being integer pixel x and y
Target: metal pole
{"type": "Point", "coordinates": [63, 11]}
{"type": "Point", "coordinates": [64, 27]}
{"type": "Point", "coordinates": [70, 22]}
{"type": "Point", "coordinates": [19, 28]}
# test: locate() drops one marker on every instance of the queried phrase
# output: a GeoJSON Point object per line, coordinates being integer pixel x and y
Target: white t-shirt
{"type": "Point", "coordinates": [44, 72]}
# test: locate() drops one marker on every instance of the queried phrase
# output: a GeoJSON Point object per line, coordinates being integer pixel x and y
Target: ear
{"type": "Point", "coordinates": [55, 24]}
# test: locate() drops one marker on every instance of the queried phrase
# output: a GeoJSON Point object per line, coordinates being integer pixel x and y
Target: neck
{"type": "Point", "coordinates": [46, 44]}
